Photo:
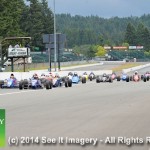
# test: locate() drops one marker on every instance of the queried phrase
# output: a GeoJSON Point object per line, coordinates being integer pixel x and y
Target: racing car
{"type": "Point", "coordinates": [123, 77]}
{"type": "Point", "coordinates": [51, 81]}
{"type": "Point", "coordinates": [91, 76]}
{"type": "Point", "coordinates": [84, 77]}
{"type": "Point", "coordinates": [136, 77]}
{"type": "Point", "coordinates": [30, 84]}
{"type": "Point", "coordinates": [104, 78]}
{"type": "Point", "coordinates": [9, 83]}
{"type": "Point", "coordinates": [68, 80]}
{"type": "Point", "coordinates": [74, 79]}
{"type": "Point", "coordinates": [127, 78]}
{"type": "Point", "coordinates": [146, 76]}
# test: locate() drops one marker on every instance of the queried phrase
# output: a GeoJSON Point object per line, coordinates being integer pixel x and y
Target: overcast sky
{"type": "Point", "coordinates": [102, 8]}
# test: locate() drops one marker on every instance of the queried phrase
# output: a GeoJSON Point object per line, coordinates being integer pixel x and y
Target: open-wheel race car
{"type": "Point", "coordinates": [146, 76]}
{"type": "Point", "coordinates": [74, 79]}
{"type": "Point", "coordinates": [136, 77]}
{"type": "Point", "coordinates": [91, 76]}
{"type": "Point", "coordinates": [9, 83]}
{"type": "Point", "coordinates": [84, 77]}
{"type": "Point", "coordinates": [104, 78]}
{"type": "Point", "coordinates": [33, 83]}
{"type": "Point", "coordinates": [125, 77]}
{"type": "Point", "coordinates": [45, 81]}
{"type": "Point", "coordinates": [71, 78]}
{"type": "Point", "coordinates": [51, 81]}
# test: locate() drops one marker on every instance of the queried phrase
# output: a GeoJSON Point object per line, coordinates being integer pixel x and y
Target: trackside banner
{"type": "Point", "coordinates": [2, 128]}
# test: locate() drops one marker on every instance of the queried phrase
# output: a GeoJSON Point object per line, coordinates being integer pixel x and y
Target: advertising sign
{"type": "Point", "coordinates": [18, 52]}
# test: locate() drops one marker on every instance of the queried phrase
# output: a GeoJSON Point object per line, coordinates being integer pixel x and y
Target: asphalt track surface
{"type": "Point", "coordinates": [95, 68]}
{"type": "Point", "coordinates": [84, 111]}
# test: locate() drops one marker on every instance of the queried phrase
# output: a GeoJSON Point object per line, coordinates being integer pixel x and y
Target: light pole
{"type": "Point", "coordinates": [1, 56]}
{"type": "Point", "coordinates": [54, 38]}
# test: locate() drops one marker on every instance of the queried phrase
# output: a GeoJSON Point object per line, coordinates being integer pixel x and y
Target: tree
{"type": "Point", "coordinates": [100, 51]}
{"type": "Point", "coordinates": [37, 19]}
{"type": "Point", "coordinates": [48, 22]}
{"type": "Point", "coordinates": [10, 15]}
{"type": "Point", "coordinates": [146, 39]}
{"type": "Point", "coordinates": [130, 34]}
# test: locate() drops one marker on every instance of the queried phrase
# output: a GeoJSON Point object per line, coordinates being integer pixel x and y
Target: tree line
{"type": "Point", "coordinates": [113, 31]}
{"type": "Point", "coordinates": [34, 18]}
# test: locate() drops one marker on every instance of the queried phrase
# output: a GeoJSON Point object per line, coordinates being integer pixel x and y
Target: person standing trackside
{"type": "Point", "coordinates": [17, 46]}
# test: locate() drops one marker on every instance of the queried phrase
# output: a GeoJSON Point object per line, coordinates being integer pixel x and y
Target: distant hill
{"type": "Point", "coordinates": [95, 30]}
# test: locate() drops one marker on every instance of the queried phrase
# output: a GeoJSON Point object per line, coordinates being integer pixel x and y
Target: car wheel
{"type": "Point", "coordinates": [20, 85]}
{"type": "Point", "coordinates": [127, 79]}
{"type": "Point", "coordinates": [144, 79]}
{"type": "Point", "coordinates": [69, 83]}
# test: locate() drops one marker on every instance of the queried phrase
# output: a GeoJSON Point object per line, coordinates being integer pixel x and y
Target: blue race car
{"type": "Point", "coordinates": [71, 78]}
{"type": "Point", "coordinates": [75, 78]}
{"type": "Point", "coordinates": [33, 83]}
{"type": "Point", "coordinates": [125, 77]}
{"type": "Point", "coordinates": [10, 83]}
{"type": "Point", "coordinates": [30, 84]}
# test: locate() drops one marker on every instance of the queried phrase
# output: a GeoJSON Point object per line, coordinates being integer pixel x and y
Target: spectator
{"type": "Point", "coordinates": [10, 46]}
{"type": "Point", "coordinates": [17, 45]}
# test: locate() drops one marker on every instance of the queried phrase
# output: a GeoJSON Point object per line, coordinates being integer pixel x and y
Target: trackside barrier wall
{"type": "Point", "coordinates": [26, 75]}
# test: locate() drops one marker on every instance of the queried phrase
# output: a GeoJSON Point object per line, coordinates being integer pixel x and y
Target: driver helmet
{"type": "Point", "coordinates": [136, 73]}
{"type": "Point", "coordinates": [147, 72]}
{"type": "Point", "coordinates": [70, 74]}
{"type": "Point", "coordinates": [104, 75]}
{"type": "Point", "coordinates": [42, 75]}
{"type": "Point", "coordinates": [75, 74]}
{"type": "Point", "coordinates": [56, 75]}
{"type": "Point", "coordinates": [50, 74]}
{"type": "Point", "coordinates": [12, 75]}
{"type": "Point", "coordinates": [85, 73]}
{"type": "Point", "coordinates": [35, 75]}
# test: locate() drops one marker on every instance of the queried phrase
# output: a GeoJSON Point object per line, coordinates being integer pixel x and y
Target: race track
{"type": "Point", "coordinates": [91, 110]}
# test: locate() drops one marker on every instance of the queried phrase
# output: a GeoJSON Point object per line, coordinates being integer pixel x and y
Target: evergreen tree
{"type": "Point", "coordinates": [130, 35]}
{"type": "Point", "coordinates": [10, 15]}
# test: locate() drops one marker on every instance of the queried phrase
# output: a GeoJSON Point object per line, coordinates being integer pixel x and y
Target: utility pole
{"type": "Point", "coordinates": [55, 57]}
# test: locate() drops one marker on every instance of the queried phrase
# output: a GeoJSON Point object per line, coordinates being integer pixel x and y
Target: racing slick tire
{"type": "Point", "coordinates": [131, 78]}
{"type": "Point", "coordinates": [21, 85]}
{"type": "Point", "coordinates": [90, 78]}
{"type": "Point", "coordinates": [83, 80]}
{"type": "Point", "coordinates": [144, 79]}
{"type": "Point", "coordinates": [118, 78]}
{"type": "Point", "coordinates": [127, 79]}
{"type": "Point", "coordinates": [69, 83]}
{"type": "Point", "coordinates": [97, 80]}
{"type": "Point", "coordinates": [110, 80]}
{"type": "Point", "coordinates": [48, 85]}
{"type": "Point", "coordinates": [25, 83]}
{"type": "Point", "coordinates": [147, 78]}
{"type": "Point", "coordinates": [1, 83]}
{"type": "Point", "coordinates": [66, 83]}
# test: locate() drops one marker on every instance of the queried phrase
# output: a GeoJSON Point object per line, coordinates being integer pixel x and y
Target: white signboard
{"type": "Point", "coordinates": [139, 47]}
{"type": "Point", "coordinates": [132, 47]}
{"type": "Point", "coordinates": [18, 52]}
{"type": "Point", "coordinates": [107, 47]}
